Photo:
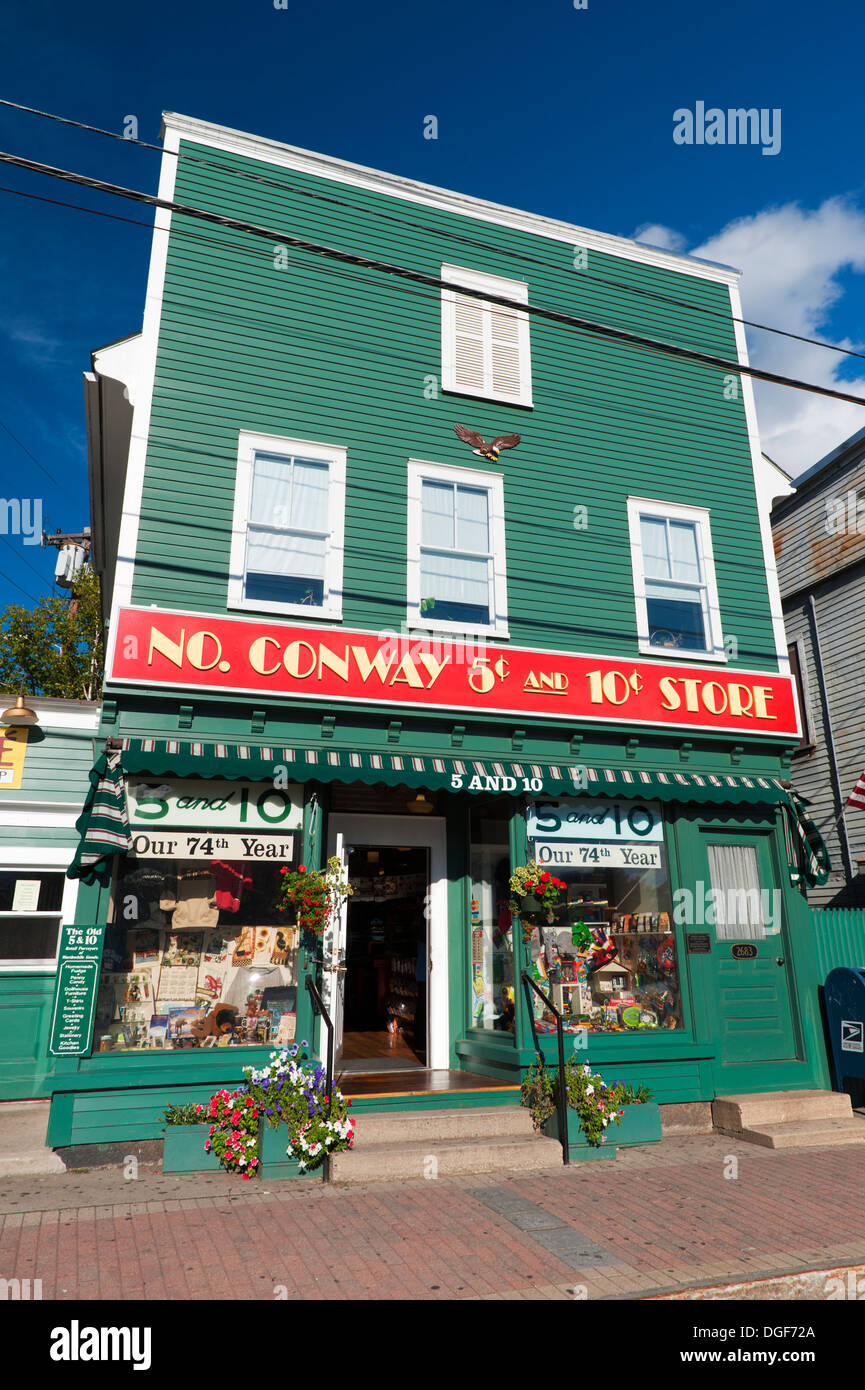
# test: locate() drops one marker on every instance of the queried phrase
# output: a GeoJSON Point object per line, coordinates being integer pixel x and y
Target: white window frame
{"type": "Point", "coordinates": [30, 863]}
{"type": "Point", "coordinates": [249, 445]}
{"type": "Point", "coordinates": [420, 470]}
{"type": "Point", "coordinates": [506, 289]}
{"type": "Point", "coordinates": [675, 511]}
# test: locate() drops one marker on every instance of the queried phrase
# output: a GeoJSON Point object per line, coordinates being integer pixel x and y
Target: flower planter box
{"type": "Point", "coordinates": [641, 1124]}
{"type": "Point", "coordinates": [184, 1151]}
{"type": "Point", "coordinates": [273, 1161]}
{"type": "Point", "coordinates": [580, 1148]}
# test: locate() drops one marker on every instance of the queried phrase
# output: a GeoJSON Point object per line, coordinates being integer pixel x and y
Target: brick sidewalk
{"type": "Point", "coordinates": [660, 1218]}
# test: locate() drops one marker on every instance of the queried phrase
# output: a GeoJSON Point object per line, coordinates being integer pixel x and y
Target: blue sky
{"type": "Point", "coordinates": [542, 106]}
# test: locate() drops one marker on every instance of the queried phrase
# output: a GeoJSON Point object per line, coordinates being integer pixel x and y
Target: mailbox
{"type": "Point", "coordinates": [844, 993]}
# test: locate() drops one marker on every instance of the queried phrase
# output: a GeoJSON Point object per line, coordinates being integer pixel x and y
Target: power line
{"type": "Point", "coordinates": [34, 458]}
{"type": "Point", "coordinates": [523, 258]}
{"type": "Point", "coordinates": [421, 277]}
{"type": "Point", "coordinates": [7, 580]}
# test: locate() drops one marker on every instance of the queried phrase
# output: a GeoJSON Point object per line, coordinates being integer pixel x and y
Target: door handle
{"type": "Point", "coordinates": [430, 963]}
{"type": "Point", "coordinates": [779, 960]}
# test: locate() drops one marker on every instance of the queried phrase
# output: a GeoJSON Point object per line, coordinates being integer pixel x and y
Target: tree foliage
{"type": "Point", "coordinates": [56, 648]}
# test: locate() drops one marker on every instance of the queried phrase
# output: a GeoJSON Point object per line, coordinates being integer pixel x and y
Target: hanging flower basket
{"type": "Point", "coordinates": [309, 897]}
{"type": "Point", "coordinates": [534, 895]}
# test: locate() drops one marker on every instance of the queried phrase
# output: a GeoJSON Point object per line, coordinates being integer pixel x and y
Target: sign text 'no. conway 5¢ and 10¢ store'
{"type": "Point", "coordinates": [199, 651]}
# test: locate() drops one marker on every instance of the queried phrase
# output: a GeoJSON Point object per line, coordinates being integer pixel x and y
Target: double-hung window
{"type": "Point", "coordinates": [287, 538]}
{"type": "Point", "coordinates": [456, 559]}
{"type": "Point", "coordinates": [485, 347]}
{"type": "Point", "coordinates": [674, 580]}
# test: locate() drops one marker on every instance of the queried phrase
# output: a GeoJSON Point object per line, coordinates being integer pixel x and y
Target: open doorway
{"type": "Point", "coordinates": [386, 956]}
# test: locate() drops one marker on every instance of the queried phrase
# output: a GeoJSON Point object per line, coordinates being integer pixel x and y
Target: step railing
{"type": "Point", "coordinates": [529, 983]}
{"type": "Point", "coordinates": [319, 1008]}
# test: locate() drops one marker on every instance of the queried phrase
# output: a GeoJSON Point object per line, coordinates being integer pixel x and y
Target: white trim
{"type": "Point", "coordinates": [676, 511]}
{"type": "Point", "coordinates": [762, 488]}
{"type": "Point", "coordinates": [49, 815]}
{"type": "Point", "coordinates": [138, 441]}
{"type": "Point", "coordinates": [429, 833]}
{"type": "Point", "coordinates": [284, 156]}
{"type": "Point", "coordinates": [509, 710]}
{"type": "Point", "coordinates": [249, 444]}
{"type": "Point", "coordinates": [419, 469]}
{"type": "Point", "coordinates": [59, 714]}
{"type": "Point", "coordinates": [506, 289]}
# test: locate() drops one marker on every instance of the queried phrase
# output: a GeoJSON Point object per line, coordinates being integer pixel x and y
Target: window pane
{"type": "Point", "coordinates": [685, 555]}
{"type": "Point", "coordinates": [272, 552]}
{"type": "Point", "coordinates": [271, 490]}
{"type": "Point", "coordinates": [675, 618]}
{"type": "Point", "coordinates": [309, 496]}
{"type": "Point", "coordinates": [473, 528]}
{"type": "Point", "coordinates": [656, 563]}
{"type": "Point", "coordinates": [437, 515]}
{"type": "Point", "coordinates": [30, 890]}
{"type": "Point", "coordinates": [491, 987]}
{"type": "Point", "coordinates": [28, 938]}
{"type": "Point", "coordinates": [458, 586]}
{"type": "Point", "coordinates": [738, 901]}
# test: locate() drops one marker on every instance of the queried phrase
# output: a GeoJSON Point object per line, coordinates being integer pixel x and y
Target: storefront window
{"type": "Point", "coordinates": [31, 903]}
{"type": "Point", "coordinates": [197, 955]}
{"type": "Point", "coordinates": [491, 990]}
{"type": "Point", "coordinates": [608, 959]}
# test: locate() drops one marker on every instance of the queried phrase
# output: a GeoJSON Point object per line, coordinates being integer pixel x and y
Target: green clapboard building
{"type": "Point", "coordinates": [340, 627]}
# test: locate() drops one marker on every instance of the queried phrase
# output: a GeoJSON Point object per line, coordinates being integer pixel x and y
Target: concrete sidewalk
{"type": "Point", "coordinates": [23, 1125]}
{"type": "Point", "coordinates": [696, 1210]}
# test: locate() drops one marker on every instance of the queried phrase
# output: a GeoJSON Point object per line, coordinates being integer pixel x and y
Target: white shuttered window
{"type": "Point", "coordinates": [485, 347]}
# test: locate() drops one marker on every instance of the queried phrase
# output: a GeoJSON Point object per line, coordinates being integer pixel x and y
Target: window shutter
{"type": "Point", "coordinates": [469, 344]}
{"type": "Point", "coordinates": [505, 353]}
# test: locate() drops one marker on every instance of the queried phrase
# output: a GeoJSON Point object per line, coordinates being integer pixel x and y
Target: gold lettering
{"type": "Point", "coordinates": [433, 667]}
{"type": "Point", "coordinates": [691, 701]}
{"type": "Point", "coordinates": [737, 705]}
{"type": "Point", "coordinates": [195, 651]}
{"type": "Point", "coordinates": [164, 645]}
{"type": "Point", "coordinates": [672, 698]}
{"type": "Point", "coordinates": [291, 660]}
{"type": "Point", "coordinates": [711, 701]}
{"type": "Point", "coordinates": [410, 677]}
{"type": "Point", "coordinates": [379, 664]}
{"type": "Point", "coordinates": [337, 664]}
{"type": "Point", "coordinates": [762, 693]}
{"type": "Point", "coordinates": [258, 656]}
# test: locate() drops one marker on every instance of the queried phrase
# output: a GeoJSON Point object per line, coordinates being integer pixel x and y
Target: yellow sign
{"type": "Point", "coordinates": [13, 749]}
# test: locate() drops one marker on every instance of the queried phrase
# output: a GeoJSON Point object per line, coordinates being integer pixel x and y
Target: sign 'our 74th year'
{"type": "Point", "coordinates": [423, 671]}
{"type": "Point", "coordinates": [187, 844]}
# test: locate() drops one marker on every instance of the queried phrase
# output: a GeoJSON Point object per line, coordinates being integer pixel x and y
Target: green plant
{"type": "Point", "coordinates": [286, 1092]}
{"type": "Point", "coordinates": [622, 1093]}
{"type": "Point", "coordinates": [184, 1115]}
{"type": "Point", "coordinates": [234, 1132]}
{"type": "Point", "coordinates": [537, 1094]}
{"type": "Point", "coordinates": [313, 894]}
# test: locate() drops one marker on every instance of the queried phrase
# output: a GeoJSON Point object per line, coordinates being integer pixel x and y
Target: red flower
{"type": "Point", "coordinates": [301, 868]}
{"type": "Point", "coordinates": [545, 878]}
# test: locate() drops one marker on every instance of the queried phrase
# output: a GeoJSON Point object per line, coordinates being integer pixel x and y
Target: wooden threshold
{"type": "Point", "coordinates": [419, 1083]}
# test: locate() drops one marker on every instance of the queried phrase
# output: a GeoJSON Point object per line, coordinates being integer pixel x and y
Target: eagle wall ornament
{"type": "Point", "coordinates": [479, 445]}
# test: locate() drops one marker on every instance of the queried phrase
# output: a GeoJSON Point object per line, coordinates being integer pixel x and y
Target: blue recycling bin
{"type": "Point", "coordinates": [844, 993]}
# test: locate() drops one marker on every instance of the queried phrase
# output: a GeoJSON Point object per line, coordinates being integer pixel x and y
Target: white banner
{"type": "Point", "coordinates": [581, 819]}
{"type": "Point", "coordinates": [183, 844]}
{"type": "Point", "coordinates": [214, 804]}
{"type": "Point", "coordinates": [560, 854]}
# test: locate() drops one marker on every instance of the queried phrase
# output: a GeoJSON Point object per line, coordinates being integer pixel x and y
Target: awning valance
{"type": "Point", "coordinates": [807, 856]}
{"type": "Point", "coordinates": [181, 758]}
{"type": "Point", "coordinates": [103, 824]}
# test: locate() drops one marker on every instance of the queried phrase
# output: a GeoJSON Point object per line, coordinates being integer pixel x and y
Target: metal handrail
{"type": "Point", "coordinates": [319, 1007]}
{"type": "Point", "coordinates": [560, 1037]}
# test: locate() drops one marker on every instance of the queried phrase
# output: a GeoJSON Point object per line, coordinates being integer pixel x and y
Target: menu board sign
{"type": "Point", "coordinates": [75, 992]}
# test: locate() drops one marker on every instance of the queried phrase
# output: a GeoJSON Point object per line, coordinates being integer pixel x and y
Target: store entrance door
{"type": "Point", "coordinates": [389, 991]}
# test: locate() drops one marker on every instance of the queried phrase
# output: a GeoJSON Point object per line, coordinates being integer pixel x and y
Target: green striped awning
{"type": "Point", "coordinates": [807, 856]}
{"type": "Point", "coordinates": [103, 824]}
{"type": "Point", "coordinates": [181, 758]}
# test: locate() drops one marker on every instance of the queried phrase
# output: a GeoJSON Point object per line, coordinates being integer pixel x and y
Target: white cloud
{"type": "Point", "coordinates": [654, 234]}
{"type": "Point", "coordinates": [791, 258]}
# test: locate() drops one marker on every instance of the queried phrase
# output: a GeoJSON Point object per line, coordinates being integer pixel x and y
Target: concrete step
{"type": "Point", "coordinates": [732, 1114]}
{"type": "Point", "coordinates": [22, 1140]}
{"type": "Point", "coordinates": [807, 1134]}
{"type": "Point", "coordinates": [404, 1126]}
{"type": "Point", "coordinates": [405, 1162]}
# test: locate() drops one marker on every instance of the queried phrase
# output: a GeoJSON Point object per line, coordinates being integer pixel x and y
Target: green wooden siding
{"type": "Point", "coordinates": [329, 353]}
{"type": "Point", "coordinates": [839, 937]}
{"type": "Point", "coordinates": [56, 767]}
{"type": "Point", "coordinates": [26, 999]}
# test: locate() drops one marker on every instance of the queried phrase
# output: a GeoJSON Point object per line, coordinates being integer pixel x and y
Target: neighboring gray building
{"type": "Point", "coordinates": [819, 534]}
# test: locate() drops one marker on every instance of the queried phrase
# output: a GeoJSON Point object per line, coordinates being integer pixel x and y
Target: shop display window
{"type": "Point", "coordinates": [197, 954]}
{"type": "Point", "coordinates": [491, 978]}
{"type": "Point", "coordinates": [608, 960]}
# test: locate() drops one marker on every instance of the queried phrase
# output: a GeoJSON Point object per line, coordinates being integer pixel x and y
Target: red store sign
{"type": "Point", "coordinates": [196, 651]}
